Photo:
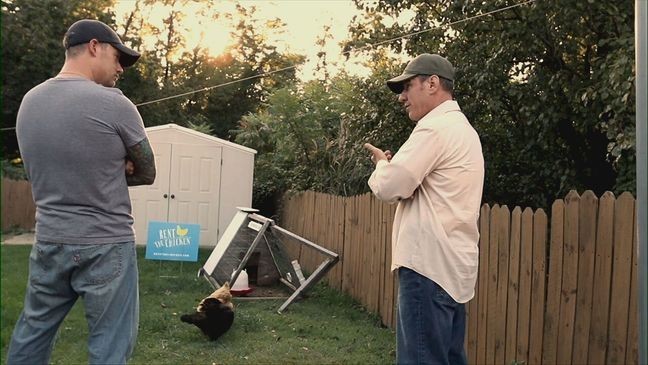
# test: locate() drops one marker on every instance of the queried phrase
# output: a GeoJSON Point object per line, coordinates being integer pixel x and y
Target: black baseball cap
{"type": "Point", "coordinates": [83, 31]}
{"type": "Point", "coordinates": [424, 64]}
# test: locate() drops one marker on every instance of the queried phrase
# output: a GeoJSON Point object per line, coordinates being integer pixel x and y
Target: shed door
{"type": "Point", "coordinates": [194, 187]}
{"type": "Point", "coordinates": [186, 190]}
{"type": "Point", "coordinates": [148, 201]}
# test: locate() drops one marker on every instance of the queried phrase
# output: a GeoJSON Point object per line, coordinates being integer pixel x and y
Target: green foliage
{"type": "Point", "coordinates": [13, 169]}
{"type": "Point", "coordinates": [219, 107]}
{"type": "Point", "coordinates": [311, 136]}
{"type": "Point", "coordinates": [32, 50]}
{"type": "Point", "coordinates": [328, 327]}
{"type": "Point", "coordinates": [549, 87]}
{"type": "Point", "coordinates": [376, 116]}
{"type": "Point", "coordinates": [308, 137]}
{"type": "Point", "coordinates": [201, 124]}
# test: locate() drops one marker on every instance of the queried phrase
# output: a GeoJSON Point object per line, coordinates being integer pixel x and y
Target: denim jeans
{"type": "Point", "coordinates": [430, 326]}
{"type": "Point", "coordinates": [105, 276]}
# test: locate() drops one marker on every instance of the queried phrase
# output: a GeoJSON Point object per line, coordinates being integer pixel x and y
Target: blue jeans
{"type": "Point", "coordinates": [430, 327]}
{"type": "Point", "coordinates": [105, 276]}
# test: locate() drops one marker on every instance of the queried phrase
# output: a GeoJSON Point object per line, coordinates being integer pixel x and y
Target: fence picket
{"type": "Point", "coordinates": [586, 245]}
{"type": "Point", "coordinates": [307, 258]}
{"type": "Point", "coordinates": [308, 255]}
{"type": "Point", "coordinates": [373, 267]}
{"type": "Point", "coordinates": [554, 285]}
{"type": "Point", "coordinates": [602, 275]}
{"type": "Point", "coordinates": [340, 209]}
{"type": "Point", "coordinates": [392, 213]}
{"type": "Point", "coordinates": [330, 236]}
{"type": "Point", "coordinates": [502, 282]}
{"type": "Point", "coordinates": [294, 223]}
{"type": "Point", "coordinates": [524, 304]}
{"type": "Point", "coordinates": [513, 286]}
{"type": "Point", "coordinates": [621, 274]}
{"type": "Point", "coordinates": [347, 255]}
{"type": "Point", "coordinates": [570, 282]}
{"type": "Point", "coordinates": [357, 256]}
{"type": "Point", "coordinates": [632, 346]}
{"type": "Point", "coordinates": [482, 285]}
{"type": "Point", "coordinates": [385, 275]}
{"type": "Point", "coordinates": [491, 312]}
{"type": "Point", "coordinates": [366, 255]}
{"type": "Point", "coordinates": [538, 287]}
{"type": "Point", "coordinates": [382, 268]}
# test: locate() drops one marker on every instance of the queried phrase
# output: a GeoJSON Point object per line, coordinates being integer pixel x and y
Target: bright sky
{"type": "Point", "coordinates": [305, 22]}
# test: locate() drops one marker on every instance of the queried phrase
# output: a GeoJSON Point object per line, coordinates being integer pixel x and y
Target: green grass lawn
{"type": "Point", "coordinates": [328, 327]}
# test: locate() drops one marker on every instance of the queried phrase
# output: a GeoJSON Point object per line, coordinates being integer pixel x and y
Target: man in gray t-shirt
{"type": "Point", "coordinates": [83, 143]}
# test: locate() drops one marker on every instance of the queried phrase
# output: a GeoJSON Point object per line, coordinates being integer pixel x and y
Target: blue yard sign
{"type": "Point", "coordinates": [172, 241]}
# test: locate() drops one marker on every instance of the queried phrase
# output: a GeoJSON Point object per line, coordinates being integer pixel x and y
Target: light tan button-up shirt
{"type": "Point", "coordinates": [437, 178]}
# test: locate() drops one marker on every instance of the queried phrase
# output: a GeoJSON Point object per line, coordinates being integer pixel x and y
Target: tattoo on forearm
{"type": "Point", "coordinates": [144, 162]}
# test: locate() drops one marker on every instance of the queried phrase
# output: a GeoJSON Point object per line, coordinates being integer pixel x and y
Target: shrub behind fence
{"type": "Point", "coordinates": [564, 293]}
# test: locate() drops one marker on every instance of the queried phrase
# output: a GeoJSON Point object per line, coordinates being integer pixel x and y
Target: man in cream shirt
{"type": "Point", "coordinates": [437, 179]}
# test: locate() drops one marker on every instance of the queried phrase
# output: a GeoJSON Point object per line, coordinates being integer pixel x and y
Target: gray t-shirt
{"type": "Point", "coordinates": [72, 134]}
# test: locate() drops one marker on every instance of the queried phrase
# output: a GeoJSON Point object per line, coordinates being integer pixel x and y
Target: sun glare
{"type": "Point", "coordinates": [213, 37]}
{"type": "Point", "coordinates": [198, 30]}
{"type": "Point", "coordinates": [299, 35]}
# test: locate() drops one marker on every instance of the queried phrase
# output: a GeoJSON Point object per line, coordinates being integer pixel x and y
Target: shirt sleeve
{"type": "Point", "coordinates": [128, 121]}
{"type": "Point", "coordinates": [417, 157]}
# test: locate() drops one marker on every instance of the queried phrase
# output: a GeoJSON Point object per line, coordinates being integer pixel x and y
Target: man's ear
{"type": "Point", "coordinates": [92, 47]}
{"type": "Point", "coordinates": [433, 83]}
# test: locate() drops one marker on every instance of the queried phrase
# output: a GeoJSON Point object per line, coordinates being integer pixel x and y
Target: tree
{"type": "Point", "coordinates": [250, 57]}
{"type": "Point", "coordinates": [32, 51]}
{"type": "Point", "coordinates": [215, 100]}
{"type": "Point", "coordinates": [549, 87]}
{"type": "Point", "coordinates": [310, 136]}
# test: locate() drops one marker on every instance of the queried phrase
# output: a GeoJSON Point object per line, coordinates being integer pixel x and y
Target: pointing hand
{"type": "Point", "coordinates": [377, 154]}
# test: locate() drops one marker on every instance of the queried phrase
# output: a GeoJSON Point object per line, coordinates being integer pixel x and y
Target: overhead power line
{"type": "Point", "coordinates": [216, 86]}
{"type": "Point", "coordinates": [438, 26]}
{"type": "Point", "coordinates": [358, 49]}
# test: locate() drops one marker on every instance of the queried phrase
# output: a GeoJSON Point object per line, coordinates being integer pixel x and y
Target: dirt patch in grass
{"type": "Point", "coordinates": [276, 291]}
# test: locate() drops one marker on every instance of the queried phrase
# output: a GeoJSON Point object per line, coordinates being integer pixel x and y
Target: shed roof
{"type": "Point", "coordinates": [193, 133]}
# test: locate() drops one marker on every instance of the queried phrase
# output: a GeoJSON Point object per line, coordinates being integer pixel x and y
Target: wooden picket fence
{"type": "Point", "coordinates": [558, 293]}
{"type": "Point", "coordinates": [18, 209]}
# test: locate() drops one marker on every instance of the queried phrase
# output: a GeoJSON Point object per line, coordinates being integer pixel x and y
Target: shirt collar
{"type": "Point", "coordinates": [445, 107]}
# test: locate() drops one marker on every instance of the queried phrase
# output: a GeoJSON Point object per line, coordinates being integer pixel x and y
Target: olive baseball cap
{"type": "Point", "coordinates": [83, 31]}
{"type": "Point", "coordinates": [424, 64]}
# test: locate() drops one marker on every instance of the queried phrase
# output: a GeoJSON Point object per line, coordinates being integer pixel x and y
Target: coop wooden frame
{"type": "Point", "coordinates": [240, 239]}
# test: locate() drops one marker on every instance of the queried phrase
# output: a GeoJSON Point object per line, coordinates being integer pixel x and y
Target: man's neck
{"type": "Point", "coordinates": [442, 99]}
{"type": "Point", "coordinates": [72, 69]}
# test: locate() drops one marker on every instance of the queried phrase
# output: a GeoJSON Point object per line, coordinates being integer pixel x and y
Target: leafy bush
{"type": "Point", "coordinates": [13, 169]}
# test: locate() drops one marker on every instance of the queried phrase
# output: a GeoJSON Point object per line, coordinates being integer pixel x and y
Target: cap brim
{"type": "Point", "coordinates": [127, 56]}
{"type": "Point", "coordinates": [396, 84]}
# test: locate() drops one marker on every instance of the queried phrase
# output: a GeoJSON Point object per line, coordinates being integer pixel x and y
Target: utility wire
{"type": "Point", "coordinates": [343, 53]}
{"type": "Point", "coordinates": [215, 86]}
{"type": "Point", "coordinates": [368, 46]}
{"type": "Point", "coordinates": [439, 26]}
